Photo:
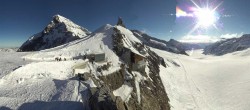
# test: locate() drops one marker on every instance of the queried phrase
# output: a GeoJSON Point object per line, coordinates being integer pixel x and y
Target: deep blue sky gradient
{"type": "Point", "coordinates": [20, 19]}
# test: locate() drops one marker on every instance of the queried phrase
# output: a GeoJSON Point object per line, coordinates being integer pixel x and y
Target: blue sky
{"type": "Point", "coordinates": [20, 19]}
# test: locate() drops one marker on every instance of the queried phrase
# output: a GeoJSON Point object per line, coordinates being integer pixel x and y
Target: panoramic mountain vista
{"type": "Point", "coordinates": [124, 78]}
{"type": "Point", "coordinates": [124, 55]}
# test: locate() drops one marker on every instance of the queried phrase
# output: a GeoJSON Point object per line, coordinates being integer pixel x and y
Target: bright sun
{"type": "Point", "coordinates": [205, 17]}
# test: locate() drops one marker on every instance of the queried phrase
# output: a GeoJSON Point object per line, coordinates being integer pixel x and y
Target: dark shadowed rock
{"type": "Point", "coordinates": [120, 22]}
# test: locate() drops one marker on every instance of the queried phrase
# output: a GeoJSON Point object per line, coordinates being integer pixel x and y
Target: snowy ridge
{"type": "Point", "coordinates": [170, 46]}
{"type": "Point", "coordinates": [228, 45]}
{"type": "Point", "coordinates": [100, 38]}
{"type": "Point", "coordinates": [112, 76]}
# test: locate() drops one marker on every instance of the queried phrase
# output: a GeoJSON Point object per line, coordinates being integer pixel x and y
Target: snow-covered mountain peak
{"type": "Point", "coordinates": [59, 18]}
{"type": "Point", "coordinates": [59, 31]}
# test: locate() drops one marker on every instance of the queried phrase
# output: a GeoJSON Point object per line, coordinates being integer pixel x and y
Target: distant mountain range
{"type": "Point", "coordinates": [228, 45]}
{"type": "Point", "coordinates": [114, 68]}
{"type": "Point", "coordinates": [170, 46]}
{"type": "Point", "coordinates": [62, 30]}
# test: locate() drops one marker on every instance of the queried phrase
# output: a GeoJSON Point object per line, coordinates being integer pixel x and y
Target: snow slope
{"type": "Point", "coordinates": [48, 82]}
{"type": "Point", "coordinates": [45, 83]}
{"type": "Point", "coordinates": [204, 82]}
{"type": "Point", "coordinates": [10, 61]}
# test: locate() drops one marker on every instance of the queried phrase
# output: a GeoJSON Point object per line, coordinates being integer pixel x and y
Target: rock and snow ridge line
{"type": "Point", "coordinates": [62, 87]}
{"type": "Point", "coordinates": [59, 31]}
{"type": "Point", "coordinates": [228, 45]}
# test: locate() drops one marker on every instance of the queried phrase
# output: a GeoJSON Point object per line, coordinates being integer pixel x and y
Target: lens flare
{"type": "Point", "coordinates": [181, 13]}
{"type": "Point", "coordinates": [204, 13]}
{"type": "Point", "coordinates": [205, 17]}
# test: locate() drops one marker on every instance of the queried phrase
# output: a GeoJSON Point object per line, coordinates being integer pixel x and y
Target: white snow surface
{"type": "Point", "coordinates": [204, 82]}
{"type": "Point", "coordinates": [124, 92]}
{"type": "Point", "coordinates": [43, 85]}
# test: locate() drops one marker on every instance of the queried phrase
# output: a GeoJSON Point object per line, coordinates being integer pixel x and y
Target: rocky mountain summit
{"type": "Point", "coordinates": [59, 31]}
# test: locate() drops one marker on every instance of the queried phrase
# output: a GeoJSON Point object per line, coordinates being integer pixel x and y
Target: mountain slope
{"type": "Point", "coordinates": [206, 82]}
{"type": "Point", "coordinates": [228, 45]}
{"type": "Point", "coordinates": [59, 31]}
{"type": "Point", "coordinates": [170, 46]}
{"type": "Point", "coordinates": [128, 78]}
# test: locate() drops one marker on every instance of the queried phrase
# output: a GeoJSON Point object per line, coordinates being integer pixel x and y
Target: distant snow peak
{"type": "Point", "coordinates": [58, 18]}
{"type": "Point", "coordinates": [58, 32]}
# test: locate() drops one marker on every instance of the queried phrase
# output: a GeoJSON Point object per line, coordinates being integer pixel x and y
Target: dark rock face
{"type": "Point", "coordinates": [103, 99]}
{"type": "Point", "coordinates": [117, 42]}
{"type": "Point", "coordinates": [157, 88]}
{"type": "Point", "coordinates": [154, 98]}
{"type": "Point", "coordinates": [228, 45]}
{"type": "Point", "coordinates": [120, 22]}
{"type": "Point", "coordinates": [59, 31]}
{"type": "Point", "coordinates": [114, 80]}
{"type": "Point", "coordinates": [170, 46]}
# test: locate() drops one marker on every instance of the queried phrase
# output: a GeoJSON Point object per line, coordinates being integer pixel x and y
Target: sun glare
{"type": "Point", "coordinates": [205, 17]}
